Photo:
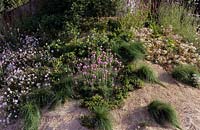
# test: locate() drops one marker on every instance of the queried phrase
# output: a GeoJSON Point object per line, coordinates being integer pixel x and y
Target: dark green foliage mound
{"type": "Point", "coordinates": [100, 119]}
{"type": "Point", "coordinates": [31, 116]}
{"type": "Point", "coordinates": [131, 52]}
{"type": "Point", "coordinates": [113, 25]}
{"type": "Point", "coordinates": [184, 73]}
{"type": "Point", "coordinates": [164, 114]}
{"type": "Point", "coordinates": [133, 82]}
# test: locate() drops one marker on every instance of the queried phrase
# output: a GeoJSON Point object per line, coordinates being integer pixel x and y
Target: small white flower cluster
{"type": "Point", "coordinates": [168, 50]}
{"type": "Point", "coordinates": [23, 70]}
{"type": "Point", "coordinates": [196, 79]}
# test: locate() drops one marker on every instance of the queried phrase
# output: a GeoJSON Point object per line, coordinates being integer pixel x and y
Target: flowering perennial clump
{"type": "Point", "coordinates": [99, 69]}
{"type": "Point", "coordinates": [169, 49]}
{"type": "Point", "coordinates": [22, 71]}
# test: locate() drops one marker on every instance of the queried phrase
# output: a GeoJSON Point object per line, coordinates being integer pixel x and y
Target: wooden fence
{"type": "Point", "coordinates": [10, 17]}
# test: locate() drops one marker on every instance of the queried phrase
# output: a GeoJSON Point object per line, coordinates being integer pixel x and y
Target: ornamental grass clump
{"type": "Point", "coordinates": [187, 74]}
{"type": "Point", "coordinates": [99, 120]}
{"type": "Point", "coordinates": [129, 52]}
{"type": "Point", "coordinates": [31, 116]}
{"type": "Point", "coordinates": [146, 73]}
{"type": "Point", "coordinates": [164, 114]}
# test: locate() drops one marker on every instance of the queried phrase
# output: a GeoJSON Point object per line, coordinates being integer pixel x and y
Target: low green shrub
{"type": "Point", "coordinates": [31, 116]}
{"type": "Point", "coordinates": [99, 120]}
{"type": "Point", "coordinates": [113, 25]}
{"type": "Point", "coordinates": [119, 94]}
{"type": "Point", "coordinates": [133, 82]}
{"type": "Point", "coordinates": [163, 113]}
{"type": "Point", "coordinates": [185, 74]}
{"type": "Point", "coordinates": [94, 101]}
{"type": "Point", "coordinates": [52, 24]}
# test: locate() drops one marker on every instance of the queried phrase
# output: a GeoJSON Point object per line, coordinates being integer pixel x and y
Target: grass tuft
{"type": "Point", "coordinates": [146, 73]}
{"type": "Point", "coordinates": [184, 73]}
{"type": "Point", "coordinates": [31, 116]}
{"type": "Point", "coordinates": [131, 52]}
{"type": "Point", "coordinates": [164, 114]}
{"type": "Point", "coordinates": [99, 120]}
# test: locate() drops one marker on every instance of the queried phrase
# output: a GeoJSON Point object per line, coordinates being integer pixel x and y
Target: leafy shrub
{"type": "Point", "coordinates": [133, 82]}
{"type": "Point", "coordinates": [163, 113]}
{"type": "Point", "coordinates": [94, 101]}
{"type": "Point", "coordinates": [9, 4]}
{"type": "Point", "coordinates": [117, 97]}
{"type": "Point", "coordinates": [52, 24]}
{"type": "Point", "coordinates": [185, 74]}
{"type": "Point", "coordinates": [131, 52]}
{"type": "Point", "coordinates": [57, 7]}
{"type": "Point", "coordinates": [31, 116]}
{"type": "Point", "coordinates": [100, 119]}
{"type": "Point", "coordinates": [178, 16]}
{"type": "Point", "coordinates": [146, 73]}
{"type": "Point", "coordinates": [113, 25]}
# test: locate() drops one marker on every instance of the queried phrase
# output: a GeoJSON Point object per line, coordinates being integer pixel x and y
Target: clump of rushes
{"type": "Point", "coordinates": [99, 120]}
{"type": "Point", "coordinates": [186, 74]}
{"type": "Point", "coordinates": [31, 116]}
{"type": "Point", "coordinates": [164, 114]}
{"type": "Point", "coordinates": [131, 52]}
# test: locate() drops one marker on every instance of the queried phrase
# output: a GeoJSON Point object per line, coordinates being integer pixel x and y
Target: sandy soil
{"type": "Point", "coordinates": [185, 99]}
